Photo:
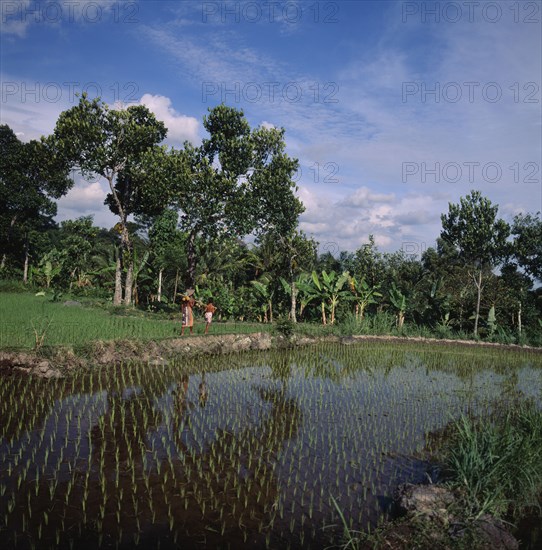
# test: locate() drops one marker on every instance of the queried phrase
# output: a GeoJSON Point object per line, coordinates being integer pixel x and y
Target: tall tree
{"type": "Point", "coordinates": [527, 245]}
{"type": "Point", "coordinates": [479, 238]}
{"type": "Point", "coordinates": [165, 241]}
{"type": "Point", "coordinates": [293, 254]}
{"type": "Point", "coordinates": [240, 182]}
{"type": "Point", "coordinates": [32, 175]}
{"type": "Point", "coordinates": [116, 145]}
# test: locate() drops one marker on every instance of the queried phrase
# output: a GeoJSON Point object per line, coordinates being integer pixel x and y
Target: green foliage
{"type": "Point", "coordinates": [48, 269]}
{"type": "Point", "coordinates": [285, 326]}
{"type": "Point", "coordinates": [527, 245]}
{"type": "Point", "coordinates": [237, 182]}
{"type": "Point", "coordinates": [265, 292]}
{"type": "Point", "coordinates": [399, 301]}
{"type": "Point", "coordinates": [32, 175]}
{"type": "Point", "coordinates": [57, 295]}
{"type": "Point", "coordinates": [491, 320]}
{"type": "Point", "coordinates": [496, 463]}
{"type": "Point", "coordinates": [192, 207]}
{"type": "Point", "coordinates": [473, 229]}
{"type": "Point", "coordinates": [328, 290]}
{"type": "Point", "coordinates": [10, 285]}
{"type": "Point", "coordinates": [364, 295]}
{"type": "Point", "coordinates": [121, 146]}
{"type": "Point", "coordinates": [478, 237]}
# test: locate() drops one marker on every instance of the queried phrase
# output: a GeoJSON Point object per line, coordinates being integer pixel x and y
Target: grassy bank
{"type": "Point", "coordinates": [496, 463]}
{"type": "Point", "coordinates": [28, 321]}
{"type": "Point", "coordinates": [494, 467]}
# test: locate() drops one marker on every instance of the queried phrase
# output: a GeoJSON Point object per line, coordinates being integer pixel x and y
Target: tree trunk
{"type": "Point", "coordinates": [117, 298]}
{"type": "Point", "coordinates": [131, 278]}
{"type": "Point", "coordinates": [519, 317]}
{"type": "Point", "coordinates": [324, 322]}
{"type": "Point", "coordinates": [191, 258]}
{"type": "Point", "coordinates": [129, 283]}
{"type": "Point", "coordinates": [175, 287]}
{"type": "Point", "coordinates": [293, 307]}
{"type": "Point", "coordinates": [25, 270]}
{"type": "Point", "coordinates": [8, 237]}
{"type": "Point", "coordinates": [270, 311]}
{"type": "Point", "coordinates": [127, 261]}
{"type": "Point", "coordinates": [478, 299]}
{"type": "Point", "coordinates": [159, 293]}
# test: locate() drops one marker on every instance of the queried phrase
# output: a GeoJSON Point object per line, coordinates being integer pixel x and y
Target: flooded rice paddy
{"type": "Point", "coordinates": [239, 451]}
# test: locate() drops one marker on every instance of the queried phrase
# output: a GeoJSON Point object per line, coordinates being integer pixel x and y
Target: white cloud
{"type": "Point", "coordinates": [180, 127]}
{"type": "Point", "coordinates": [364, 197]}
{"type": "Point", "coordinates": [372, 131]}
{"type": "Point", "coordinates": [19, 15]}
{"type": "Point", "coordinates": [84, 197]}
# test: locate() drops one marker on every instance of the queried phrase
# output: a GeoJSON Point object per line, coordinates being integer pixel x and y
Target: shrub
{"type": "Point", "coordinates": [284, 326]}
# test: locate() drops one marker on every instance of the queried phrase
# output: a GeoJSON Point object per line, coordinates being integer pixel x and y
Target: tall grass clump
{"type": "Point", "coordinates": [382, 323]}
{"type": "Point", "coordinates": [497, 464]}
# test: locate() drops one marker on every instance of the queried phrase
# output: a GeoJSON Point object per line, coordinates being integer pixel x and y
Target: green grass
{"type": "Point", "coordinates": [28, 321]}
{"type": "Point", "coordinates": [497, 464]}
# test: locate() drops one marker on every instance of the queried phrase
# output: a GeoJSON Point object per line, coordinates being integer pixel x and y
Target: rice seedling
{"type": "Point", "coordinates": [134, 447]}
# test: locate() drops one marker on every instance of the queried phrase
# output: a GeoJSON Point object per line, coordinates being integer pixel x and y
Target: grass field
{"type": "Point", "coordinates": [28, 321]}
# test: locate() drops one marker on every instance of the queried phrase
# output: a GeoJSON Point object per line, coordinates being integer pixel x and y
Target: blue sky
{"type": "Point", "coordinates": [394, 109]}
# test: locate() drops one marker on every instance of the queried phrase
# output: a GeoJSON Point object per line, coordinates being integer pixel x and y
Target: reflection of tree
{"type": "Point", "coordinates": [203, 392]}
{"type": "Point", "coordinates": [83, 481]}
{"type": "Point", "coordinates": [142, 476]}
{"type": "Point", "coordinates": [281, 367]}
{"type": "Point", "coordinates": [32, 412]}
{"type": "Point", "coordinates": [232, 484]}
{"type": "Point", "coordinates": [123, 488]}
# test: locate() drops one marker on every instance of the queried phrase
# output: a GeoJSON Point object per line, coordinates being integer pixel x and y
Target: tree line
{"type": "Point", "coordinates": [184, 215]}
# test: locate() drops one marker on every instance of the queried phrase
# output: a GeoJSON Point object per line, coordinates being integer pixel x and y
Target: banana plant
{"type": "Point", "coordinates": [364, 295]}
{"type": "Point", "coordinates": [399, 301]}
{"type": "Point", "coordinates": [298, 295]}
{"type": "Point", "coordinates": [47, 270]}
{"type": "Point", "coordinates": [491, 320]}
{"type": "Point", "coordinates": [308, 293]}
{"type": "Point", "coordinates": [202, 295]}
{"type": "Point", "coordinates": [266, 292]}
{"type": "Point", "coordinates": [328, 291]}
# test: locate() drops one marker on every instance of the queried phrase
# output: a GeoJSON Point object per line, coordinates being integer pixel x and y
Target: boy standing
{"type": "Point", "coordinates": [209, 310]}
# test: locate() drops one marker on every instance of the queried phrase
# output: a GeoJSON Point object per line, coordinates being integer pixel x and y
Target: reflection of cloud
{"type": "Point", "coordinates": [180, 127]}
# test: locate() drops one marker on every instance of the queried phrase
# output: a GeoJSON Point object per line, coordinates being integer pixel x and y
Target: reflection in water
{"type": "Point", "coordinates": [203, 395]}
{"type": "Point", "coordinates": [247, 456]}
